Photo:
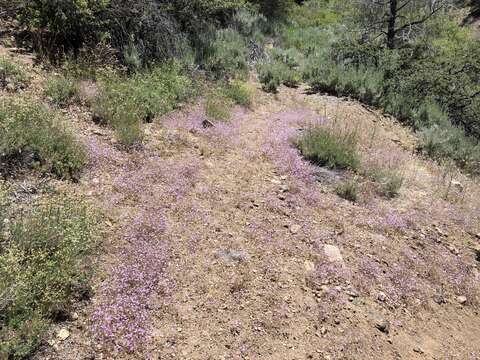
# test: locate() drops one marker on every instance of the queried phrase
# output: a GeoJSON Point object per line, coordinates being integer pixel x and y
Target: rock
{"type": "Point", "coordinates": [309, 266]}
{"type": "Point", "coordinates": [381, 296]}
{"type": "Point", "coordinates": [63, 334]}
{"type": "Point", "coordinates": [282, 197]}
{"type": "Point", "coordinates": [295, 228]}
{"type": "Point", "coordinates": [352, 293]}
{"type": "Point", "coordinates": [284, 188]}
{"type": "Point", "coordinates": [75, 316]}
{"type": "Point", "coordinates": [230, 255]}
{"type": "Point", "coordinates": [333, 253]}
{"type": "Point", "coordinates": [457, 184]}
{"type": "Point", "coordinates": [462, 300]}
{"type": "Point", "coordinates": [418, 350]}
{"type": "Point", "coordinates": [453, 250]}
{"type": "Point", "coordinates": [478, 236]}
{"type": "Point", "coordinates": [97, 119]}
{"type": "Point", "coordinates": [383, 325]}
{"type": "Point", "coordinates": [207, 123]}
{"type": "Point", "coordinates": [438, 298]}
{"type": "Point", "coordinates": [10, 87]}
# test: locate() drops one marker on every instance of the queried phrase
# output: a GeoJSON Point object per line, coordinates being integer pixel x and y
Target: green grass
{"type": "Point", "coordinates": [240, 92]}
{"type": "Point", "coordinates": [125, 102]}
{"type": "Point", "coordinates": [218, 107]}
{"type": "Point", "coordinates": [42, 269]}
{"type": "Point", "coordinates": [12, 76]}
{"type": "Point", "coordinates": [348, 190]}
{"type": "Point", "coordinates": [34, 136]}
{"type": "Point", "coordinates": [61, 90]}
{"type": "Point", "coordinates": [326, 147]}
{"type": "Point", "coordinates": [389, 181]}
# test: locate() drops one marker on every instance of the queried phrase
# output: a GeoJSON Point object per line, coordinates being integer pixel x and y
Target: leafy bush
{"type": "Point", "coordinates": [348, 190]}
{"type": "Point", "coordinates": [362, 83]}
{"type": "Point", "coordinates": [281, 68]}
{"type": "Point", "coordinates": [218, 107]}
{"type": "Point", "coordinates": [327, 147]}
{"type": "Point", "coordinates": [42, 268]}
{"type": "Point", "coordinates": [228, 54]}
{"type": "Point", "coordinates": [145, 32]}
{"type": "Point", "coordinates": [12, 76]}
{"type": "Point", "coordinates": [240, 92]}
{"type": "Point", "coordinates": [61, 90]}
{"type": "Point", "coordinates": [450, 142]}
{"type": "Point", "coordinates": [34, 136]}
{"type": "Point", "coordinates": [276, 73]}
{"type": "Point", "coordinates": [125, 103]}
{"type": "Point", "coordinates": [62, 26]}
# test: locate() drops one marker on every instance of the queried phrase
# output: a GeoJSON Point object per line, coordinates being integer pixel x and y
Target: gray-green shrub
{"type": "Point", "coordinates": [348, 190]}
{"type": "Point", "coordinates": [327, 147]}
{"type": "Point", "coordinates": [228, 54]}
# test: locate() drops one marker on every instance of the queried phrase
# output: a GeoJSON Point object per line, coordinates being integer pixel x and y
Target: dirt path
{"type": "Point", "coordinates": [218, 248]}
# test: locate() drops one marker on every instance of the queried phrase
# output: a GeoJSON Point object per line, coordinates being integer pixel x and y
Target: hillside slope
{"type": "Point", "coordinates": [224, 244]}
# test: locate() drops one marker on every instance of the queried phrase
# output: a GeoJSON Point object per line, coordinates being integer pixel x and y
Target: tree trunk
{"type": "Point", "coordinates": [392, 19]}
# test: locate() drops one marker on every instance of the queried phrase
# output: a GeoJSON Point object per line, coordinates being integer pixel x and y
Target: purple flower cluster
{"type": "Point", "coordinates": [282, 129]}
{"type": "Point", "coordinates": [121, 318]}
{"type": "Point", "coordinates": [150, 187]}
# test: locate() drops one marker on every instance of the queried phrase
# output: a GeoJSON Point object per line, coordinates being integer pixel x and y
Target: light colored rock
{"type": "Point", "coordinates": [462, 300]}
{"type": "Point", "coordinates": [381, 296]}
{"type": "Point", "coordinates": [457, 184]}
{"type": "Point", "coordinates": [63, 334]}
{"type": "Point", "coordinates": [309, 266]}
{"type": "Point", "coordinates": [333, 253]}
{"type": "Point", "coordinates": [295, 228]}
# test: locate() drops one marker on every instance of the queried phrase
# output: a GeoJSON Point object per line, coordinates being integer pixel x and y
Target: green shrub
{"type": "Point", "coordinates": [228, 54]}
{"type": "Point", "coordinates": [429, 114]}
{"type": "Point", "coordinates": [12, 76]}
{"type": "Point", "coordinates": [449, 141]}
{"type": "Point", "coordinates": [34, 136]}
{"type": "Point", "coordinates": [218, 107]}
{"type": "Point", "coordinates": [326, 147]}
{"type": "Point", "coordinates": [42, 269]}
{"type": "Point", "coordinates": [62, 25]}
{"type": "Point", "coordinates": [240, 92]}
{"type": "Point", "coordinates": [360, 83]}
{"type": "Point", "coordinates": [125, 102]}
{"type": "Point", "coordinates": [61, 90]}
{"type": "Point", "coordinates": [348, 190]}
